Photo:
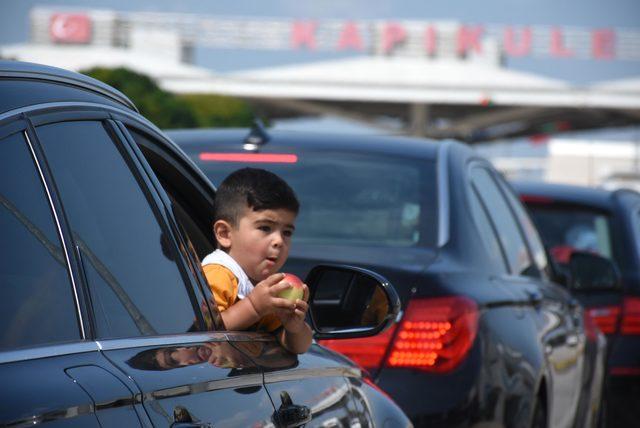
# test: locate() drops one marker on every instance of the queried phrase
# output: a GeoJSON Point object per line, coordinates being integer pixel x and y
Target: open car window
{"type": "Point", "coordinates": [192, 211]}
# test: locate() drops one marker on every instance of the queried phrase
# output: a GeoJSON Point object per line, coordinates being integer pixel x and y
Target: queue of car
{"type": "Point", "coordinates": [607, 223]}
{"type": "Point", "coordinates": [106, 318]}
{"type": "Point", "coordinates": [489, 332]}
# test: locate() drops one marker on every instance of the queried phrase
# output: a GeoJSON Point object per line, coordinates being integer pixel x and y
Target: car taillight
{"type": "Point", "coordinates": [605, 317]}
{"type": "Point", "coordinates": [435, 334]}
{"type": "Point", "coordinates": [630, 316]}
{"type": "Point", "coordinates": [367, 352]}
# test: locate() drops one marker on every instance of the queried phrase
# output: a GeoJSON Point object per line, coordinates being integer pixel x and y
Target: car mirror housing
{"type": "Point", "coordinates": [349, 302]}
{"type": "Point", "coordinates": [589, 271]}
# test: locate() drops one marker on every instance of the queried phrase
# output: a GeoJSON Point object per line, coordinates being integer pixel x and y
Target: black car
{"type": "Point", "coordinates": [486, 337]}
{"type": "Point", "coordinates": [105, 316]}
{"type": "Point", "coordinates": [607, 223]}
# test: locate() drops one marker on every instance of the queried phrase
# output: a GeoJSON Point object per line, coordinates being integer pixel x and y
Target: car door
{"type": "Point", "coordinates": [48, 364]}
{"type": "Point", "coordinates": [147, 313]}
{"type": "Point", "coordinates": [313, 383]}
{"type": "Point", "coordinates": [555, 314]}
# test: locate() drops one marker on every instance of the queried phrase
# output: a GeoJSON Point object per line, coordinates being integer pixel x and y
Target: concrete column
{"type": "Point", "coordinates": [418, 119]}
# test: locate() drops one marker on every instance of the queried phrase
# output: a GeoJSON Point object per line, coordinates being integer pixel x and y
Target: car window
{"type": "Point", "coordinates": [192, 210]}
{"type": "Point", "coordinates": [129, 261]}
{"type": "Point", "coordinates": [37, 305]}
{"type": "Point", "coordinates": [505, 224]}
{"type": "Point", "coordinates": [565, 229]}
{"type": "Point", "coordinates": [484, 226]}
{"type": "Point", "coordinates": [530, 231]}
{"type": "Point", "coordinates": [355, 199]}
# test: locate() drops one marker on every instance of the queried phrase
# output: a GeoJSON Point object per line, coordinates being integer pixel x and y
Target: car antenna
{"type": "Point", "coordinates": [257, 137]}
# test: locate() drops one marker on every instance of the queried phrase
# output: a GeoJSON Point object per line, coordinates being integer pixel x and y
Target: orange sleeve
{"type": "Point", "coordinates": [223, 284]}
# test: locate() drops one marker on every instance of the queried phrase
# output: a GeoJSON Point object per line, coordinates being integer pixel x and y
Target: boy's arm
{"type": "Point", "coordinates": [296, 341]}
{"type": "Point", "coordinates": [296, 336]}
{"type": "Point", "coordinates": [262, 301]}
{"type": "Point", "coordinates": [240, 316]}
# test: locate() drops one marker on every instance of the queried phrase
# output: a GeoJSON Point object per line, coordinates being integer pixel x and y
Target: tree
{"type": "Point", "coordinates": [167, 110]}
{"type": "Point", "coordinates": [219, 111]}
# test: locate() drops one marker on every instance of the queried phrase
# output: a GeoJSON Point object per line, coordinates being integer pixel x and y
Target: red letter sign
{"type": "Point", "coordinates": [513, 48]}
{"type": "Point", "coordinates": [603, 44]}
{"type": "Point", "coordinates": [303, 34]}
{"type": "Point", "coordinates": [557, 44]}
{"type": "Point", "coordinates": [469, 38]}
{"type": "Point", "coordinates": [393, 35]}
{"type": "Point", "coordinates": [70, 28]}
{"type": "Point", "coordinates": [350, 38]}
{"type": "Point", "coordinates": [430, 40]}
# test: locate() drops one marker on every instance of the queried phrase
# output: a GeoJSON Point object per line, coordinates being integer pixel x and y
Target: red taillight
{"type": "Point", "coordinates": [630, 316]}
{"type": "Point", "coordinates": [367, 352]}
{"type": "Point", "coordinates": [605, 317]}
{"type": "Point", "coordinates": [435, 334]}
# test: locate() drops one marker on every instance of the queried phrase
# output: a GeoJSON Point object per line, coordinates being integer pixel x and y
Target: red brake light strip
{"type": "Point", "coordinates": [249, 157]}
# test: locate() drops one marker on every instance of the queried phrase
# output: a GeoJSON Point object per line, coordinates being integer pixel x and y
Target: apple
{"type": "Point", "coordinates": [296, 291]}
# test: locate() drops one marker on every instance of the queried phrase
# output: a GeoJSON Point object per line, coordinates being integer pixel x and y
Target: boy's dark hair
{"type": "Point", "coordinates": [255, 188]}
{"type": "Point", "coordinates": [146, 360]}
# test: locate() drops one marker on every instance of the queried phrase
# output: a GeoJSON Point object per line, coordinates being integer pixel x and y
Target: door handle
{"type": "Point", "coordinates": [535, 297]}
{"type": "Point", "coordinates": [291, 415]}
{"type": "Point", "coordinates": [182, 419]}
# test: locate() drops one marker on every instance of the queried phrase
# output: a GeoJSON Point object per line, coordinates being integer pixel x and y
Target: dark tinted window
{"type": "Point", "coordinates": [130, 263]}
{"type": "Point", "coordinates": [36, 297]}
{"type": "Point", "coordinates": [505, 224]}
{"type": "Point", "coordinates": [356, 199]}
{"type": "Point", "coordinates": [489, 238]}
{"type": "Point", "coordinates": [530, 231]}
{"type": "Point", "coordinates": [567, 229]}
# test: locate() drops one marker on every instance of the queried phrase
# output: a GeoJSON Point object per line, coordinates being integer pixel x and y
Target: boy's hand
{"type": "Point", "coordinates": [293, 319]}
{"type": "Point", "coordinates": [264, 296]}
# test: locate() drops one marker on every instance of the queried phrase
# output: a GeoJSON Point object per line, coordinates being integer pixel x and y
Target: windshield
{"type": "Point", "coordinates": [564, 230]}
{"type": "Point", "coordinates": [355, 199]}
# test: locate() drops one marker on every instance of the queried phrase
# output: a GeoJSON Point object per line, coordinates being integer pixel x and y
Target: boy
{"type": "Point", "coordinates": [254, 219]}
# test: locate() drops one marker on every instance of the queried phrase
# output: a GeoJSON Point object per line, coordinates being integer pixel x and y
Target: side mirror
{"type": "Point", "coordinates": [348, 302]}
{"type": "Point", "coordinates": [588, 271]}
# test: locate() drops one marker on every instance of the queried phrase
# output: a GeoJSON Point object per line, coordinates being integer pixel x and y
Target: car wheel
{"type": "Point", "coordinates": [539, 419]}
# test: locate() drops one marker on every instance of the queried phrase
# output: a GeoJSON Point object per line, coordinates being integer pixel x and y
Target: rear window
{"type": "Point", "coordinates": [352, 198]}
{"type": "Point", "coordinates": [564, 230]}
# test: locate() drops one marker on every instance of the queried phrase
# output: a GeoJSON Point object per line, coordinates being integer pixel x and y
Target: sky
{"type": "Point", "coordinates": [581, 13]}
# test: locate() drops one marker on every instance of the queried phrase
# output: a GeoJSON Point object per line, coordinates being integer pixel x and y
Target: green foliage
{"type": "Point", "coordinates": [219, 111]}
{"type": "Point", "coordinates": [167, 110]}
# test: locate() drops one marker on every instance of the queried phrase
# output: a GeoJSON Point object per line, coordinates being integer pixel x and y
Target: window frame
{"type": "Point", "coordinates": [477, 164]}
{"type": "Point", "coordinates": [23, 126]}
{"type": "Point", "coordinates": [74, 113]}
{"type": "Point", "coordinates": [195, 178]}
{"type": "Point", "coordinates": [545, 272]}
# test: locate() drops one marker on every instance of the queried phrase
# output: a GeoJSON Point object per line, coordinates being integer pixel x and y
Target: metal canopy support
{"type": "Point", "coordinates": [319, 109]}
{"type": "Point", "coordinates": [418, 119]}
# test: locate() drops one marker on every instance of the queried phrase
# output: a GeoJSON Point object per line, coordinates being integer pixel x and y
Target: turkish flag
{"type": "Point", "coordinates": [72, 28]}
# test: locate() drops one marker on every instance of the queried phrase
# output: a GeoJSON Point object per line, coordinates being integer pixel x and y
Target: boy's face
{"type": "Point", "coordinates": [260, 242]}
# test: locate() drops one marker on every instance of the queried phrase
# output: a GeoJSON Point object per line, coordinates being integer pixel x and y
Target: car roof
{"type": "Point", "coordinates": [32, 71]}
{"type": "Point", "coordinates": [200, 139]}
{"type": "Point", "coordinates": [564, 193]}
